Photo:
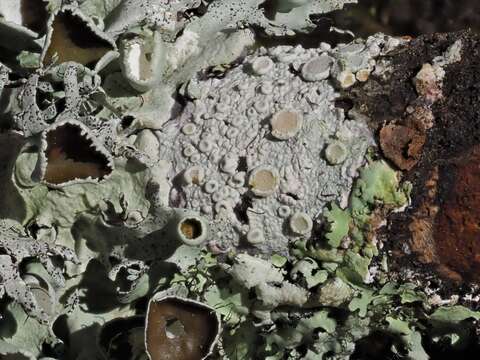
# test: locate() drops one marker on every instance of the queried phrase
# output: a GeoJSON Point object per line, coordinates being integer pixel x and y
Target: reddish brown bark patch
{"type": "Point", "coordinates": [445, 227]}
{"type": "Point", "coordinates": [457, 226]}
{"type": "Point", "coordinates": [402, 145]}
{"type": "Point", "coordinates": [423, 220]}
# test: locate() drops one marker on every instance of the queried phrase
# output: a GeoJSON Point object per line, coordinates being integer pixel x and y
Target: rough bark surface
{"type": "Point", "coordinates": [440, 159]}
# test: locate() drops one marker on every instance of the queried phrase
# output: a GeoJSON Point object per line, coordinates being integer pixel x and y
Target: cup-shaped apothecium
{"type": "Point", "coordinates": [71, 36]}
{"type": "Point", "coordinates": [70, 154]}
{"type": "Point", "coordinates": [190, 228]}
{"type": "Point", "coordinates": [180, 329]}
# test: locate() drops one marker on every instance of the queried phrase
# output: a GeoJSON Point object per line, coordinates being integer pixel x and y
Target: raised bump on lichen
{"type": "Point", "coordinates": [191, 229]}
{"type": "Point", "coordinates": [317, 68]}
{"type": "Point", "coordinates": [286, 124]}
{"type": "Point", "coordinates": [300, 223]}
{"type": "Point", "coordinates": [336, 153]}
{"type": "Point", "coordinates": [255, 236]}
{"type": "Point", "coordinates": [264, 181]}
{"type": "Point", "coordinates": [194, 175]}
{"type": "Point", "coordinates": [262, 65]}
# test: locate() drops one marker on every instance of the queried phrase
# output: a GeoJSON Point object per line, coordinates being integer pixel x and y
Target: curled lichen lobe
{"type": "Point", "coordinates": [72, 38]}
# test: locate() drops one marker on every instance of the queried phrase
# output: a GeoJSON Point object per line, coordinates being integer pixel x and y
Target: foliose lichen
{"type": "Point", "coordinates": [173, 187]}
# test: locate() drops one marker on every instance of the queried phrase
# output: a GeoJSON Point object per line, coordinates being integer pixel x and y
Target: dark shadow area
{"type": "Point", "coordinates": [34, 15]}
{"type": "Point", "coordinates": [13, 206]}
{"type": "Point", "coordinates": [392, 17]}
{"type": "Point", "coordinates": [76, 341]}
{"type": "Point", "coordinates": [376, 346]}
{"type": "Point", "coordinates": [116, 336]}
{"type": "Point", "coordinates": [444, 350]}
{"type": "Point", "coordinates": [409, 17]}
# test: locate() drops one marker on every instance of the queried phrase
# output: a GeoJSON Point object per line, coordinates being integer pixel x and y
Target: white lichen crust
{"type": "Point", "coordinates": [264, 143]}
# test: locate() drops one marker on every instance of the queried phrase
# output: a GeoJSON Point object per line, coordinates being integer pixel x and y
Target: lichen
{"type": "Point", "coordinates": [174, 189]}
{"type": "Point", "coordinates": [17, 249]}
{"type": "Point", "coordinates": [263, 182]}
